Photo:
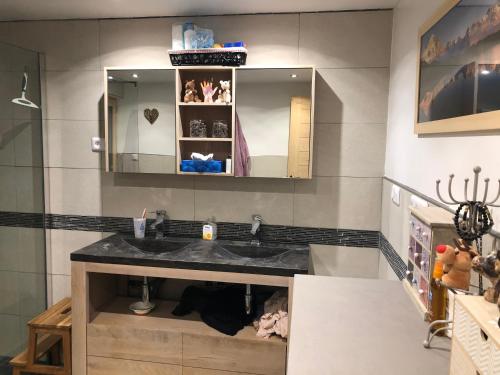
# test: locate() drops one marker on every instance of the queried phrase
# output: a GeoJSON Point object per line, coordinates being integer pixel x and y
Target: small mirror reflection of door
{"type": "Point", "coordinates": [299, 139]}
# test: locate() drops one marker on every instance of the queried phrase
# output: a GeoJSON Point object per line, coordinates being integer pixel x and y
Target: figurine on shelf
{"type": "Point", "coordinates": [208, 91]}
{"type": "Point", "coordinates": [489, 267]}
{"type": "Point", "coordinates": [226, 91]}
{"type": "Point", "coordinates": [220, 98]}
{"type": "Point", "coordinates": [191, 94]}
{"type": "Point", "coordinates": [457, 263]}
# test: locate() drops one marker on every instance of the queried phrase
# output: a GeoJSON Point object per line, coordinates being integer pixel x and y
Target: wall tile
{"type": "Point", "coordinates": [28, 142]}
{"type": "Point", "coordinates": [63, 243]}
{"type": "Point", "coordinates": [9, 290]}
{"type": "Point", "coordinates": [74, 191]}
{"type": "Point", "coordinates": [31, 293]}
{"type": "Point", "coordinates": [7, 140]}
{"type": "Point", "coordinates": [10, 339]}
{"type": "Point", "coordinates": [61, 287]}
{"type": "Point", "coordinates": [67, 45]}
{"type": "Point", "coordinates": [395, 220]}
{"type": "Point", "coordinates": [10, 86]}
{"type": "Point", "coordinates": [346, 39]}
{"type": "Point", "coordinates": [127, 195]}
{"type": "Point", "coordinates": [29, 186]}
{"type": "Point", "coordinates": [270, 38]}
{"type": "Point", "coordinates": [352, 96]}
{"type": "Point", "coordinates": [140, 42]}
{"type": "Point", "coordinates": [31, 250]}
{"type": "Point", "coordinates": [237, 199]}
{"type": "Point", "coordinates": [69, 144]}
{"type": "Point", "coordinates": [332, 202]}
{"type": "Point", "coordinates": [343, 261]}
{"type": "Point", "coordinates": [355, 150]}
{"type": "Point", "coordinates": [8, 198]}
{"type": "Point", "coordinates": [8, 249]}
{"type": "Point", "coordinates": [74, 95]}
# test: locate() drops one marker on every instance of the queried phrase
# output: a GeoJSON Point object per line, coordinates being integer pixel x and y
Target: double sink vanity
{"type": "Point", "coordinates": [110, 339]}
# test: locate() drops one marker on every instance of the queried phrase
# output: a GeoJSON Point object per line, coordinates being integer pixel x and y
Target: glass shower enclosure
{"type": "Point", "coordinates": [22, 235]}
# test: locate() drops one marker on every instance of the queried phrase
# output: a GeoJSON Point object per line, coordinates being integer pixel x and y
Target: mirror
{"type": "Point", "coordinates": [141, 120]}
{"type": "Point", "coordinates": [275, 115]}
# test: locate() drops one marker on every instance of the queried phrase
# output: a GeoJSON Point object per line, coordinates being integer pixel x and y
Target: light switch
{"type": "Point", "coordinates": [97, 144]}
{"type": "Point", "coordinates": [396, 194]}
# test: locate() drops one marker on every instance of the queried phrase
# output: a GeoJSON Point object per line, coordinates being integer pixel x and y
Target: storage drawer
{"type": "Point", "coordinates": [257, 356]}
{"type": "Point", "coordinates": [111, 366]}
{"type": "Point", "coordinates": [420, 231]}
{"type": "Point", "coordinates": [472, 338]}
{"type": "Point", "coordinates": [204, 371]}
{"type": "Point", "coordinates": [495, 360]}
{"type": "Point", "coordinates": [128, 342]}
{"type": "Point", "coordinates": [460, 363]}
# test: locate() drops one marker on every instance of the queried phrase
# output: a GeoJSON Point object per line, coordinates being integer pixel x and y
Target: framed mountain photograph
{"type": "Point", "coordinates": [458, 85]}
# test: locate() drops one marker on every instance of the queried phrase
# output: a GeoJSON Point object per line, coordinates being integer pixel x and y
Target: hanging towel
{"type": "Point", "coordinates": [242, 163]}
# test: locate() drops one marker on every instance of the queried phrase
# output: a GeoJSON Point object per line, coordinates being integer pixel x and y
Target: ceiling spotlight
{"type": "Point", "coordinates": [110, 77]}
{"type": "Point", "coordinates": [135, 75]}
{"type": "Point", "coordinates": [485, 72]}
{"type": "Point", "coordinates": [293, 75]}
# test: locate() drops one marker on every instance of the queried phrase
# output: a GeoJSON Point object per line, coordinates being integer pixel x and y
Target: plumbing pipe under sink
{"type": "Point", "coordinates": [248, 299]}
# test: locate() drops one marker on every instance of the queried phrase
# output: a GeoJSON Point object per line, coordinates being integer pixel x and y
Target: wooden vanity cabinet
{"type": "Point", "coordinates": [109, 339]}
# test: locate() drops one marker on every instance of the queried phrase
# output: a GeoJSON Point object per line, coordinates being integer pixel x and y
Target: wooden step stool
{"type": "Point", "coordinates": [53, 326]}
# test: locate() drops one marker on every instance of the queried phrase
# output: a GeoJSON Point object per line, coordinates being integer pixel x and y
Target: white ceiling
{"type": "Point", "coordinates": [68, 9]}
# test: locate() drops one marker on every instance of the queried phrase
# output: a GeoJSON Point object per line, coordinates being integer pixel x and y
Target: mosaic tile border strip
{"type": "Point", "coordinates": [395, 261]}
{"type": "Point", "coordinates": [185, 228]}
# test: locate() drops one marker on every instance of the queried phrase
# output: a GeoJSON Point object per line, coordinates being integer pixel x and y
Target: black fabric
{"type": "Point", "coordinates": [223, 309]}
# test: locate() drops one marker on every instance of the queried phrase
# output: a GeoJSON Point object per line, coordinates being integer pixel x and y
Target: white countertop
{"type": "Point", "coordinates": [347, 326]}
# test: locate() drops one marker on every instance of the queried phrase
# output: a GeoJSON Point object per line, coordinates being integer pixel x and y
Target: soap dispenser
{"type": "Point", "coordinates": [210, 230]}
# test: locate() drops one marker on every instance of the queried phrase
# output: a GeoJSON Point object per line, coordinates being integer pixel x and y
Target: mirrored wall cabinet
{"type": "Point", "coordinates": [248, 121]}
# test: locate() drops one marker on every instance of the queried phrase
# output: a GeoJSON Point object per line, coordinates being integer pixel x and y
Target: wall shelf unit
{"type": "Point", "coordinates": [222, 148]}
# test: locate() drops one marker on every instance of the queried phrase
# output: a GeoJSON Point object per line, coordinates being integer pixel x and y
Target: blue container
{"type": "Point", "coordinates": [200, 166]}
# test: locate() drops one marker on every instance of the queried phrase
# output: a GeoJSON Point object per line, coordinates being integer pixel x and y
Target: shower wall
{"type": "Point", "coordinates": [22, 244]}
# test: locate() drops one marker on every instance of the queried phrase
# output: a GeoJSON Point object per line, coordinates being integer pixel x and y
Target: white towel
{"type": "Point", "coordinates": [197, 156]}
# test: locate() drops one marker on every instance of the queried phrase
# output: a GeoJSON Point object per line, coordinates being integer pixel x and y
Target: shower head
{"type": "Point", "coordinates": [22, 100]}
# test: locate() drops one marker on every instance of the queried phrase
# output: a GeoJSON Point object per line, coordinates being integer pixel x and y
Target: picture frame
{"type": "Point", "coordinates": [458, 69]}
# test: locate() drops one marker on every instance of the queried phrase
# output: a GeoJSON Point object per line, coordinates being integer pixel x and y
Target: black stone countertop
{"type": "Point", "coordinates": [197, 254]}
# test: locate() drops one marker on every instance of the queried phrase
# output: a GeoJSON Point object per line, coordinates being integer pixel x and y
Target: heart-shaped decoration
{"type": "Point", "coordinates": [151, 115]}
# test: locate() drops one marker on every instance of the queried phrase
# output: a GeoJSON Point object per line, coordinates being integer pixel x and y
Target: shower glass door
{"type": "Point", "coordinates": [22, 235]}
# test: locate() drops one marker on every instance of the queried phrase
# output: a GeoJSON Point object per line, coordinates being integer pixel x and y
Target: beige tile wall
{"type": "Point", "coordinates": [352, 53]}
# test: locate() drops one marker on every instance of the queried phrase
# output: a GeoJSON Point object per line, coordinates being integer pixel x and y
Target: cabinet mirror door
{"type": "Point", "coordinates": [275, 112]}
{"type": "Point", "coordinates": [140, 120]}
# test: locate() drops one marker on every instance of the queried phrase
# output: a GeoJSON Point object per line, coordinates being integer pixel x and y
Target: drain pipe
{"type": "Point", "coordinates": [248, 299]}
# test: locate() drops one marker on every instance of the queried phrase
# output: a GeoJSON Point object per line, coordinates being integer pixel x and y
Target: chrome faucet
{"type": "Point", "coordinates": [159, 224]}
{"type": "Point", "coordinates": [255, 231]}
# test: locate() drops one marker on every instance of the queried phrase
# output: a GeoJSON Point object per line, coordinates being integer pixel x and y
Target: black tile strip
{"type": "Point", "coordinates": [185, 228]}
{"type": "Point", "coordinates": [397, 264]}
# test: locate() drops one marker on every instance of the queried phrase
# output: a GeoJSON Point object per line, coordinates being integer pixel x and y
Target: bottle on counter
{"type": "Point", "coordinates": [210, 230]}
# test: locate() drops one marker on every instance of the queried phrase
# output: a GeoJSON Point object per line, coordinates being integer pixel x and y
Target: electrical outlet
{"type": "Point", "coordinates": [97, 144]}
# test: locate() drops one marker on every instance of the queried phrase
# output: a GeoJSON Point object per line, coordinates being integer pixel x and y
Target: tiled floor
{"type": "Point", "coordinates": [4, 366]}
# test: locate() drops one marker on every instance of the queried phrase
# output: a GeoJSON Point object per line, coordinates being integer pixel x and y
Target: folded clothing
{"type": "Point", "coordinates": [223, 309]}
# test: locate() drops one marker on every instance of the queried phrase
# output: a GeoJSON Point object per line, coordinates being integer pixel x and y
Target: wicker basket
{"type": "Point", "coordinates": [234, 56]}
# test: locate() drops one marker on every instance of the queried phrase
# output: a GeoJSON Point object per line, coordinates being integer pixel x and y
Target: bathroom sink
{"type": "Point", "coordinates": [149, 245]}
{"type": "Point", "coordinates": [253, 251]}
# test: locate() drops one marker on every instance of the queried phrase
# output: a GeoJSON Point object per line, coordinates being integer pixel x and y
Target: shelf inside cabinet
{"type": "Point", "coordinates": [161, 318]}
{"type": "Point", "coordinates": [202, 104]}
{"type": "Point", "coordinates": [199, 139]}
